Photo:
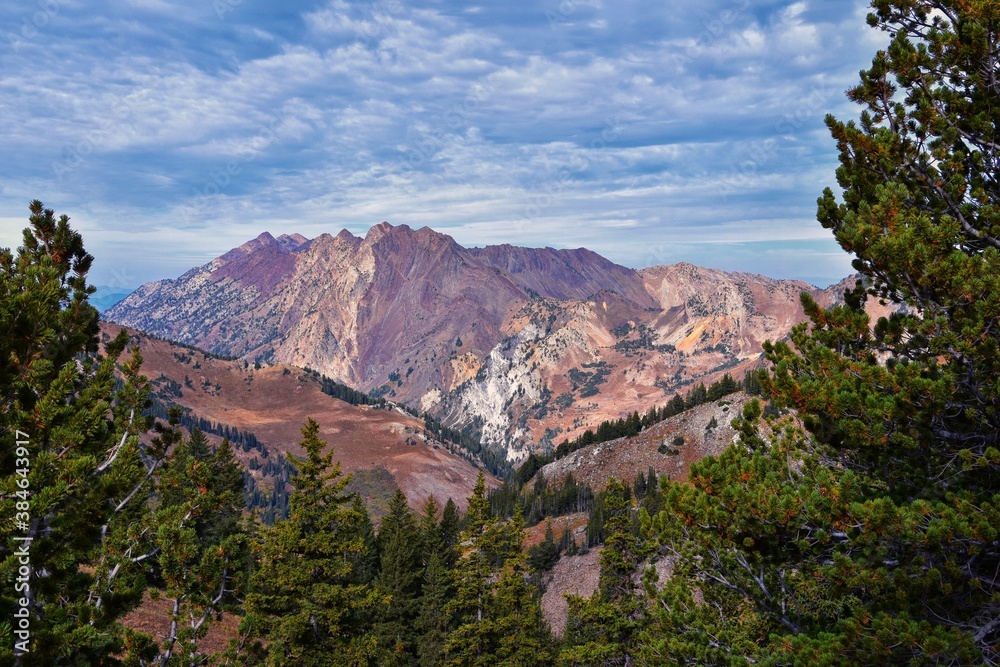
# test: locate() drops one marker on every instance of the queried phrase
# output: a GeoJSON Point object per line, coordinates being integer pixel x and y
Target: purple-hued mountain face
{"type": "Point", "coordinates": [526, 345]}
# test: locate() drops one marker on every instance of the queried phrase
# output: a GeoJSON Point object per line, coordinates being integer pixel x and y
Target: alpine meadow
{"type": "Point", "coordinates": [828, 497]}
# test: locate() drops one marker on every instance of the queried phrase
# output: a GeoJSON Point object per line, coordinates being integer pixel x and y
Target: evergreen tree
{"type": "Point", "coordinates": [595, 522]}
{"type": "Point", "coordinates": [544, 555]}
{"type": "Point", "coordinates": [639, 486]}
{"type": "Point", "coordinates": [480, 620]}
{"type": "Point", "coordinates": [437, 549]}
{"type": "Point", "coordinates": [399, 581]}
{"type": "Point", "coordinates": [367, 561]}
{"type": "Point", "coordinates": [470, 641]}
{"type": "Point", "coordinates": [451, 523]}
{"type": "Point", "coordinates": [430, 539]}
{"type": "Point", "coordinates": [873, 538]}
{"type": "Point", "coordinates": [523, 637]}
{"type": "Point", "coordinates": [567, 543]}
{"type": "Point", "coordinates": [652, 502]}
{"type": "Point", "coordinates": [675, 406]}
{"type": "Point", "coordinates": [477, 515]}
{"type": "Point", "coordinates": [304, 600]}
{"type": "Point", "coordinates": [695, 397]}
{"type": "Point", "coordinates": [603, 630]}
{"type": "Point", "coordinates": [434, 620]}
{"type": "Point", "coordinates": [199, 547]}
{"type": "Point", "coordinates": [74, 475]}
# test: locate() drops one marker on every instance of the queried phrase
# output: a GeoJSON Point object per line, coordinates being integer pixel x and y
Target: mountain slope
{"type": "Point", "coordinates": [274, 402]}
{"type": "Point", "coordinates": [669, 447]}
{"type": "Point", "coordinates": [526, 346]}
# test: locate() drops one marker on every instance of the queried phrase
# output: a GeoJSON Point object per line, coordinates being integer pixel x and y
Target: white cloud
{"type": "Point", "coordinates": [608, 126]}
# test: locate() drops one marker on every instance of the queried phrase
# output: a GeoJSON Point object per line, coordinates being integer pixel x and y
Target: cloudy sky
{"type": "Point", "coordinates": [651, 132]}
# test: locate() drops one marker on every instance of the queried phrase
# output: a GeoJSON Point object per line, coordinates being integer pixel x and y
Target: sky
{"type": "Point", "coordinates": [650, 132]}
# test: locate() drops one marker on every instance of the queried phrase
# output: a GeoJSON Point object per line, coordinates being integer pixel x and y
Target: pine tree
{"type": "Point", "coordinates": [367, 561]}
{"type": "Point", "coordinates": [437, 553]}
{"type": "Point", "coordinates": [652, 502]}
{"type": "Point", "coordinates": [470, 641]}
{"type": "Point", "coordinates": [73, 472]}
{"type": "Point", "coordinates": [523, 637]}
{"type": "Point", "coordinates": [430, 539]}
{"type": "Point", "coordinates": [450, 531]}
{"type": "Point", "coordinates": [595, 522]}
{"type": "Point", "coordinates": [696, 396]}
{"type": "Point", "coordinates": [477, 515]}
{"type": "Point", "coordinates": [675, 406]}
{"type": "Point", "coordinates": [399, 581]}
{"type": "Point", "coordinates": [639, 486]}
{"type": "Point", "coordinates": [544, 555]}
{"type": "Point", "coordinates": [567, 543]}
{"type": "Point", "coordinates": [303, 598]}
{"type": "Point", "coordinates": [603, 629]}
{"type": "Point", "coordinates": [198, 544]}
{"type": "Point", "coordinates": [481, 620]}
{"type": "Point", "coordinates": [434, 620]}
{"type": "Point", "coordinates": [873, 538]}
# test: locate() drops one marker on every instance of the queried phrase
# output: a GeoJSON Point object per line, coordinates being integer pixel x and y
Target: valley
{"type": "Point", "coordinates": [385, 448]}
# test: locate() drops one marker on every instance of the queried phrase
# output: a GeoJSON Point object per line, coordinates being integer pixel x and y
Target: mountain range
{"type": "Point", "coordinates": [523, 346]}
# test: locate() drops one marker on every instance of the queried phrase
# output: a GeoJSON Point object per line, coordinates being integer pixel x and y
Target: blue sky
{"type": "Point", "coordinates": [651, 132]}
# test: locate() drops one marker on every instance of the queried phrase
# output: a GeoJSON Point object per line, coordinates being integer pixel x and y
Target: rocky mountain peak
{"type": "Point", "coordinates": [261, 242]}
{"type": "Point", "coordinates": [292, 242]}
{"type": "Point", "coordinates": [265, 242]}
{"type": "Point", "coordinates": [526, 346]}
{"type": "Point", "coordinates": [383, 229]}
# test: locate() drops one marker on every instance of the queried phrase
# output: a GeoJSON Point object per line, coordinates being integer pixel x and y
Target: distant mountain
{"type": "Point", "coordinates": [106, 297]}
{"type": "Point", "coordinates": [526, 346]}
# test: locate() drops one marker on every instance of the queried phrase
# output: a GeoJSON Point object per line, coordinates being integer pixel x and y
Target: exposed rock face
{"type": "Point", "coordinates": [529, 346]}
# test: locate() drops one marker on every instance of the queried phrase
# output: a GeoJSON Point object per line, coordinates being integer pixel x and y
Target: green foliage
{"type": "Point", "coordinates": [542, 556]}
{"type": "Point", "coordinates": [727, 385]}
{"type": "Point", "coordinates": [595, 522]}
{"type": "Point", "coordinates": [497, 617]}
{"type": "Point", "coordinates": [603, 629]}
{"type": "Point", "coordinates": [368, 561]}
{"type": "Point", "coordinates": [437, 556]}
{"type": "Point", "coordinates": [399, 545]}
{"type": "Point", "coordinates": [522, 636]}
{"type": "Point", "coordinates": [304, 599]}
{"type": "Point", "coordinates": [434, 620]}
{"type": "Point", "coordinates": [874, 538]}
{"type": "Point", "coordinates": [450, 531]}
{"type": "Point", "coordinates": [539, 499]}
{"type": "Point", "coordinates": [72, 463]}
{"type": "Point", "coordinates": [198, 545]}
